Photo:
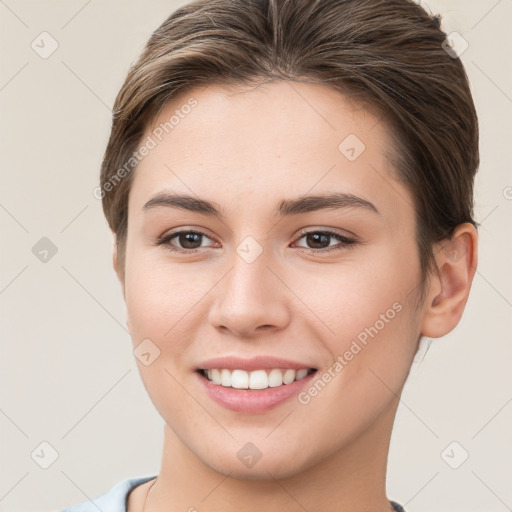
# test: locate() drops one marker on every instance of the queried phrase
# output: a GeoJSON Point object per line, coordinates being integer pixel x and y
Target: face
{"type": "Point", "coordinates": [328, 285]}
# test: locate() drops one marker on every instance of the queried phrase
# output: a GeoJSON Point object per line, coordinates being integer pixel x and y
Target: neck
{"type": "Point", "coordinates": [350, 479]}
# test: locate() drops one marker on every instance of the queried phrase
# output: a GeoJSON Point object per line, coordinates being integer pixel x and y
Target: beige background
{"type": "Point", "coordinates": [68, 375]}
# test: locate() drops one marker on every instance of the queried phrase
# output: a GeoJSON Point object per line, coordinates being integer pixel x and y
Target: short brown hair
{"type": "Point", "coordinates": [386, 54]}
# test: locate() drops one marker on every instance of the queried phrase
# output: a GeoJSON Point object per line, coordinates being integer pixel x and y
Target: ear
{"type": "Point", "coordinates": [117, 266]}
{"type": "Point", "coordinates": [456, 260]}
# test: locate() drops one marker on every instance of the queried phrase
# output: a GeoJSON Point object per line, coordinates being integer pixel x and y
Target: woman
{"type": "Point", "coordinates": [290, 185]}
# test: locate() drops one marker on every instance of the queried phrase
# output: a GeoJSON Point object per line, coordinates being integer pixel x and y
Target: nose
{"type": "Point", "coordinates": [250, 299]}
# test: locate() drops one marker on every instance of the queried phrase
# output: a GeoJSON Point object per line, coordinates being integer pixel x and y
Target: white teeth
{"type": "Point", "coordinates": [215, 377]}
{"type": "Point", "coordinates": [257, 379]}
{"type": "Point", "coordinates": [225, 378]}
{"type": "Point", "coordinates": [275, 378]}
{"type": "Point", "coordinates": [289, 376]}
{"type": "Point", "coordinates": [301, 374]}
{"type": "Point", "coordinates": [239, 379]}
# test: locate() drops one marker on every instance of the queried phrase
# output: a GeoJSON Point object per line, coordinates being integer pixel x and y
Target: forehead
{"type": "Point", "coordinates": [276, 139]}
{"type": "Point", "coordinates": [280, 114]}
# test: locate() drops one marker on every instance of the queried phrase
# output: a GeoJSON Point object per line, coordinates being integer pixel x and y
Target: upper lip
{"type": "Point", "coordinates": [262, 362]}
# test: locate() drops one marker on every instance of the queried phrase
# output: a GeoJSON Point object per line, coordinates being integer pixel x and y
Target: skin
{"type": "Point", "coordinates": [247, 149]}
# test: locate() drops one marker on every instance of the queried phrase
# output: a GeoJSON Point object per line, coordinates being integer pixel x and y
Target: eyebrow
{"type": "Point", "coordinates": [285, 207]}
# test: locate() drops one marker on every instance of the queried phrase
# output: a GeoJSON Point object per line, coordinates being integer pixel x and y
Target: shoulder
{"type": "Point", "coordinates": [114, 500]}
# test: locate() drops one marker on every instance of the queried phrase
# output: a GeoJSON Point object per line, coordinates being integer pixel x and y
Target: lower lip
{"type": "Point", "coordinates": [252, 400]}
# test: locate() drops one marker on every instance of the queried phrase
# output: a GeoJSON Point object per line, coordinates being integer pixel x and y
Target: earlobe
{"type": "Point", "coordinates": [456, 260]}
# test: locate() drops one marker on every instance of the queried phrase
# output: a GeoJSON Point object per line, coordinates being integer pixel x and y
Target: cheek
{"type": "Point", "coordinates": [352, 295]}
{"type": "Point", "coordinates": [159, 296]}
{"type": "Point", "coordinates": [159, 302]}
{"type": "Point", "coordinates": [373, 351]}
{"type": "Point", "coordinates": [372, 320]}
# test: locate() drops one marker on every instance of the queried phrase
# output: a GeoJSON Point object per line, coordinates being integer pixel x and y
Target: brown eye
{"type": "Point", "coordinates": [187, 240]}
{"type": "Point", "coordinates": [319, 241]}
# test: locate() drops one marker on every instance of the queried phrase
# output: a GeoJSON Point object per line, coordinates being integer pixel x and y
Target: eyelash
{"type": "Point", "coordinates": [346, 243]}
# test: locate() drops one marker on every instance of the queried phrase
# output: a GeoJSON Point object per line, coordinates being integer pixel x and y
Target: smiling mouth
{"type": "Point", "coordinates": [256, 379]}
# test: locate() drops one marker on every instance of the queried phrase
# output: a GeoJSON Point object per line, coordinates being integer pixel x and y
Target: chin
{"type": "Point", "coordinates": [260, 471]}
{"type": "Point", "coordinates": [275, 465]}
